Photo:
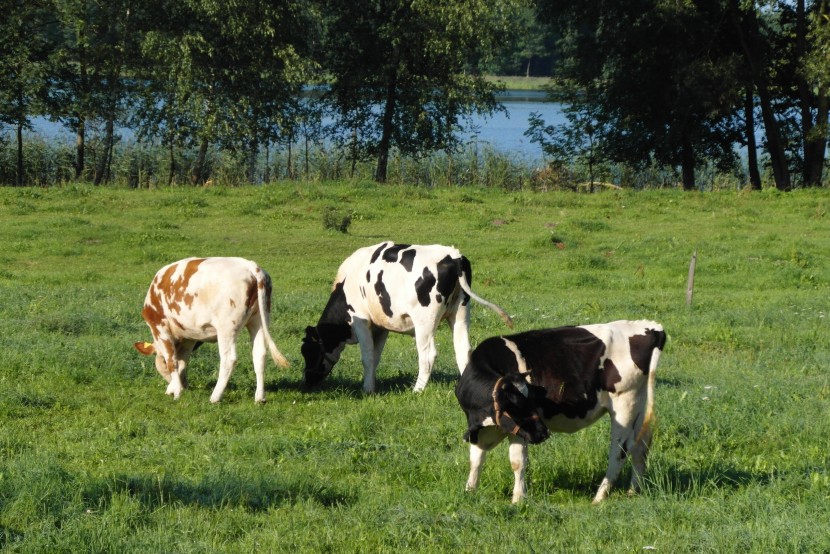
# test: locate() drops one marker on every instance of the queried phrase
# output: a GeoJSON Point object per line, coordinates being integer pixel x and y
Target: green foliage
{"type": "Point", "coordinates": [94, 456]}
{"type": "Point", "coordinates": [398, 76]}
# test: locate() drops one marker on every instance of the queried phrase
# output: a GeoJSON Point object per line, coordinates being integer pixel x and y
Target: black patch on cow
{"type": "Point", "coordinates": [368, 276]}
{"type": "Point", "coordinates": [423, 286]}
{"type": "Point", "coordinates": [565, 361]}
{"type": "Point", "coordinates": [391, 253]}
{"type": "Point", "coordinates": [439, 298]}
{"type": "Point", "coordinates": [408, 259]}
{"type": "Point", "coordinates": [610, 376]}
{"type": "Point", "coordinates": [447, 276]}
{"type": "Point", "coordinates": [334, 328]}
{"type": "Point", "coordinates": [377, 252]}
{"type": "Point", "coordinates": [642, 346]}
{"type": "Point", "coordinates": [465, 268]}
{"type": "Point", "coordinates": [474, 390]}
{"type": "Point", "coordinates": [383, 295]}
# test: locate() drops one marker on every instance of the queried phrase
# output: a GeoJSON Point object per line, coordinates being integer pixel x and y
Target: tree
{"type": "Point", "coordinates": [813, 79]}
{"type": "Point", "coordinates": [659, 78]}
{"type": "Point", "coordinates": [398, 71]}
{"type": "Point", "coordinates": [222, 74]}
{"type": "Point", "coordinates": [579, 140]}
{"type": "Point", "coordinates": [24, 52]}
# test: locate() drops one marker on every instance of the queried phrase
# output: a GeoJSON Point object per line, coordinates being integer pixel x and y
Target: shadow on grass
{"type": "Point", "coordinates": [256, 495]}
{"type": "Point", "coordinates": [354, 387]}
{"type": "Point", "coordinates": [660, 482]}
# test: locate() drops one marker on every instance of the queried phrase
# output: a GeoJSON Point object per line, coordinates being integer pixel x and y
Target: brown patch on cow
{"type": "Point", "coordinates": [610, 376]}
{"type": "Point", "coordinates": [251, 298]}
{"type": "Point", "coordinates": [175, 292]}
{"type": "Point", "coordinates": [153, 312]}
{"type": "Point", "coordinates": [233, 304]}
{"type": "Point", "coordinates": [188, 300]}
{"type": "Point", "coordinates": [177, 323]}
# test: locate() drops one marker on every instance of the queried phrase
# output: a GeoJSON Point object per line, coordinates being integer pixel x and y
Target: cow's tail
{"type": "Point", "coordinates": [463, 280]}
{"type": "Point", "coordinates": [646, 430]}
{"type": "Point", "coordinates": [263, 293]}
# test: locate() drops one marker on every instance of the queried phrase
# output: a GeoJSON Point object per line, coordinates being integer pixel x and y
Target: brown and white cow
{"type": "Point", "coordinates": [527, 385]}
{"type": "Point", "coordinates": [198, 300]}
{"type": "Point", "coordinates": [394, 287]}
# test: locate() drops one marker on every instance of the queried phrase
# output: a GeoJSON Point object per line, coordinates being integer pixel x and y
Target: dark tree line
{"type": "Point", "coordinates": [681, 83]}
{"type": "Point", "coordinates": [644, 82]}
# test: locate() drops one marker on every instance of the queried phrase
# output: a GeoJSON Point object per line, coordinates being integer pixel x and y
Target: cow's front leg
{"type": "Point", "coordinates": [425, 340]}
{"type": "Point", "coordinates": [518, 462]}
{"type": "Point", "coordinates": [477, 457]}
{"type": "Point", "coordinates": [365, 338]}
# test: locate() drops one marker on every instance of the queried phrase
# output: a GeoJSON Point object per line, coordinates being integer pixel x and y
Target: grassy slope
{"type": "Point", "coordinates": [94, 457]}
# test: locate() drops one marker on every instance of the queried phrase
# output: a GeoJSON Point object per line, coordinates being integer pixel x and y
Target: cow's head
{"type": "Point", "coordinates": [312, 350]}
{"type": "Point", "coordinates": [518, 408]}
{"type": "Point", "coordinates": [149, 349]}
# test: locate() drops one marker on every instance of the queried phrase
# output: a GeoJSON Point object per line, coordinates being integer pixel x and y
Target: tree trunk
{"type": "Point", "coordinates": [819, 142]}
{"type": "Point", "coordinates": [687, 163]}
{"type": "Point", "coordinates": [252, 159]}
{"type": "Point", "coordinates": [172, 164]}
{"type": "Point", "coordinates": [775, 146]}
{"type": "Point", "coordinates": [80, 148]}
{"type": "Point", "coordinates": [266, 176]}
{"type": "Point", "coordinates": [19, 177]}
{"type": "Point", "coordinates": [747, 27]}
{"type": "Point", "coordinates": [101, 173]}
{"type": "Point", "coordinates": [386, 132]}
{"type": "Point", "coordinates": [751, 146]}
{"type": "Point", "coordinates": [199, 173]}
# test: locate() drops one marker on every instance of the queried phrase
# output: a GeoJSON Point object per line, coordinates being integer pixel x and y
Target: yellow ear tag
{"type": "Point", "coordinates": [148, 344]}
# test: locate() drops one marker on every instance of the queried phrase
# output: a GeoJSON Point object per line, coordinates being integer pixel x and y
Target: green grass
{"type": "Point", "coordinates": [95, 458]}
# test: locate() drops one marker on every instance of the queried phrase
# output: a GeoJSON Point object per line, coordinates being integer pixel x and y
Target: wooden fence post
{"type": "Point", "coordinates": [690, 285]}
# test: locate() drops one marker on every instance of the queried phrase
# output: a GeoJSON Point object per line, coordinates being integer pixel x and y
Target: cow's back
{"type": "Point", "coordinates": [387, 283]}
{"type": "Point", "coordinates": [191, 297]}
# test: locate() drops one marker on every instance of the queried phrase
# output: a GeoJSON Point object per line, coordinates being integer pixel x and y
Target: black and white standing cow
{"type": "Point", "coordinates": [393, 287]}
{"type": "Point", "coordinates": [527, 385]}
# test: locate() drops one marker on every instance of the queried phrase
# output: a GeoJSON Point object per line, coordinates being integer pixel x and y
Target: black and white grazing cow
{"type": "Point", "coordinates": [527, 385]}
{"type": "Point", "coordinates": [393, 287]}
{"type": "Point", "coordinates": [199, 300]}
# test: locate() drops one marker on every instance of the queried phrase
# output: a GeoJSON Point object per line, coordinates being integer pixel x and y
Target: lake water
{"type": "Point", "coordinates": [504, 131]}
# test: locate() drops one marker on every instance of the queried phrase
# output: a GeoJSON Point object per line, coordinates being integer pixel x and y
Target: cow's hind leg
{"type": "Point", "coordinates": [259, 353]}
{"type": "Point", "coordinates": [227, 359]}
{"type": "Point", "coordinates": [425, 341]}
{"type": "Point", "coordinates": [639, 453]}
{"type": "Point", "coordinates": [625, 424]}
{"type": "Point", "coordinates": [459, 322]}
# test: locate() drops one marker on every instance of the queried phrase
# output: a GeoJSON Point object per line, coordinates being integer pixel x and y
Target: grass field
{"type": "Point", "coordinates": [95, 458]}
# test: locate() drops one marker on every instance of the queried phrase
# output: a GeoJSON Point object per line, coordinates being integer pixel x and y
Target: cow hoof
{"type": "Point", "coordinates": [259, 401]}
{"type": "Point", "coordinates": [215, 400]}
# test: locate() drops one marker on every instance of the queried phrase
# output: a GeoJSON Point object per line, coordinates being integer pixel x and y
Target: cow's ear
{"type": "Point", "coordinates": [311, 334]}
{"type": "Point", "coordinates": [145, 348]}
